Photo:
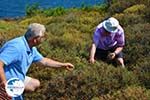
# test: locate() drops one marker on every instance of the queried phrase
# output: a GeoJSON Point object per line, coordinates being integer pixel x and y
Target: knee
{"type": "Point", "coordinates": [36, 84]}
{"type": "Point", "coordinates": [120, 61]}
{"type": "Point", "coordinates": [32, 85]}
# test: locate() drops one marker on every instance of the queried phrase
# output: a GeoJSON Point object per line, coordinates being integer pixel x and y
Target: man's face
{"type": "Point", "coordinates": [39, 39]}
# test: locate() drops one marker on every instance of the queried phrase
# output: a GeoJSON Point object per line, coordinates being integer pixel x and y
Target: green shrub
{"type": "Point", "coordinates": [88, 82]}
{"type": "Point", "coordinates": [147, 15]}
{"type": "Point", "coordinates": [137, 43]}
{"type": "Point", "coordinates": [130, 93]}
{"type": "Point", "coordinates": [143, 71]}
{"type": "Point", "coordinates": [136, 9]}
{"type": "Point", "coordinates": [55, 11]}
{"type": "Point", "coordinates": [98, 8]}
{"type": "Point", "coordinates": [118, 6]}
{"type": "Point", "coordinates": [32, 10]}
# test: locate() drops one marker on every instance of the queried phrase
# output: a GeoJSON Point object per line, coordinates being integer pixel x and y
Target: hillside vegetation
{"type": "Point", "coordinates": [69, 37]}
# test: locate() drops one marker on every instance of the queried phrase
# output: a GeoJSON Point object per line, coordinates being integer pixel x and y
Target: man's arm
{"type": "Point", "coordinates": [2, 74]}
{"type": "Point", "coordinates": [55, 64]}
{"type": "Point", "coordinates": [3, 94]}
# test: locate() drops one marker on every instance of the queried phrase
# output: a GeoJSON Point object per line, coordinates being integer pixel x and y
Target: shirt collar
{"type": "Point", "coordinates": [27, 45]}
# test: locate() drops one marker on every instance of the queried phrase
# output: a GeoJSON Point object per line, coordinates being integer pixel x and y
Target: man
{"type": "Point", "coordinates": [108, 42]}
{"type": "Point", "coordinates": [18, 54]}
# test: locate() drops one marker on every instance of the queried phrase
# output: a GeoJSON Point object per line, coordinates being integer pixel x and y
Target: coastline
{"type": "Point", "coordinates": [18, 8]}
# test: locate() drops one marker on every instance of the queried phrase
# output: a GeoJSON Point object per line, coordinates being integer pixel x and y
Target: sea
{"type": "Point", "coordinates": [17, 8]}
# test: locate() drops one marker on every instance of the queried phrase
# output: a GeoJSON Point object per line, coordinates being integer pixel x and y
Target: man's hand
{"type": "Point", "coordinates": [111, 56]}
{"type": "Point", "coordinates": [92, 60]}
{"type": "Point", "coordinates": [68, 66]}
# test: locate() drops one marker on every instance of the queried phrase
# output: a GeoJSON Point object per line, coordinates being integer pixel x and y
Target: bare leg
{"type": "Point", "coordinates": [31, 84]}
{"type": "Point", "coordinates": [120, 61]}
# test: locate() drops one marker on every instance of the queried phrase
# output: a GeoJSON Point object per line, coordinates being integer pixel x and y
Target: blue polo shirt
{"type": "Point", "coordinates": [17, 57]}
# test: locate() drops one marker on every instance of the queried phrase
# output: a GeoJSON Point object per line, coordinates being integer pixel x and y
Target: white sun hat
{"type": "Point", "coordinates": [111, 24]}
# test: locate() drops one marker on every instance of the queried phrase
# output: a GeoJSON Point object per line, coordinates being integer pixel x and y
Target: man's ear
{"type": "Point", "coordinates": [35, 39]}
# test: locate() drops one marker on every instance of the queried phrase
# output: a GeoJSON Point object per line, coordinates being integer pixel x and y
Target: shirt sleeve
{"type": "Point", "coordinates": [96, 37]}
{"type": "Point", "coordinates": [120, 39]}
{"type": "Point", "coordinates": [37, 55]}
{"type": "Point", "coordinates": [9, 54]}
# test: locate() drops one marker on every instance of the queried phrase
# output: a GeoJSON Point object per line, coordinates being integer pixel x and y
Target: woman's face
{"type": "Point", "coordinates": [106, 33]}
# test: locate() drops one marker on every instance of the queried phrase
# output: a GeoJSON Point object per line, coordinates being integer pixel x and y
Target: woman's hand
{"type": "Point", "coordinates": [111, 56]}
{"type": "Point", "coordinates": [92, 60]}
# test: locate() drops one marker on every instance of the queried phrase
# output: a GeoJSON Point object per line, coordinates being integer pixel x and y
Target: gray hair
{"type": "Point", "coordinates": [35, 29]}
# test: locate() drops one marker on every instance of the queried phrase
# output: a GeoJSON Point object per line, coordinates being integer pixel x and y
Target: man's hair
{"type": "Point", "coordinates": [34, 30]}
